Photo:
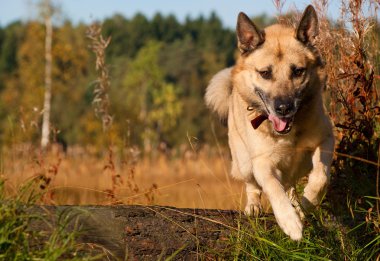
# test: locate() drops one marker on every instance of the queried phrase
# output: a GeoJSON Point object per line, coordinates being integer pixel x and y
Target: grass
{"type": "Point", "coordinates": [19, 241]}
{"type": "Point", "coordinates": [329, 233]}
{"type": "Point", "coordinates": [326, 237]}
{"type": "Point", "coordinates": [81, 177]}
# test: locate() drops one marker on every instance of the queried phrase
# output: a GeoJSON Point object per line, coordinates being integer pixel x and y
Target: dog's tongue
{"type": "Point", "coordinates": [278, 124]}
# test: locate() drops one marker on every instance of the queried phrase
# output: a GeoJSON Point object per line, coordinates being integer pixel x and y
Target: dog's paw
{"type": "Point", "coordinates": [290, 223]}
{"type": "Point", "coordinates": [253, 210]}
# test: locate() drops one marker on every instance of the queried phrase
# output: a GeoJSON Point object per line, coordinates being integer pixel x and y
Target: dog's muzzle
{"type": "Point", "coordinates": [282, 117]}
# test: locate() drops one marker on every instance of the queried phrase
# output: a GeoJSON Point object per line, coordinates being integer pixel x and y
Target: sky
{"type": "Point", "coordinates": [90, 10]}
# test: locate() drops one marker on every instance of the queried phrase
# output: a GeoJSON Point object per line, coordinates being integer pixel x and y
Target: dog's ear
{"type": "Point", "coordinates": [307, 28]}
{"type": "Point", "coordinates": [249, 37]}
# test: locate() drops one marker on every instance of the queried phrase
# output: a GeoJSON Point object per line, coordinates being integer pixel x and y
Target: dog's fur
{"type": "Point", "coordinates": [279, 76]}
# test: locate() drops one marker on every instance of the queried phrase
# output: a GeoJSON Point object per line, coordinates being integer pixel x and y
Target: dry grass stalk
{"type": "Point", "coordinates": [102, 84]}
{"type": "Point", "coordinates": [101, 101]}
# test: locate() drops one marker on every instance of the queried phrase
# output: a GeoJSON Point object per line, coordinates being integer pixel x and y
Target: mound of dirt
{"type": "Point", "coordinates": [145, 232]}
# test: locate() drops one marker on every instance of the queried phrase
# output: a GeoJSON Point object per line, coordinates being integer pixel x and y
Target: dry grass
{"type": "Point", "coordinates": [82, 177]}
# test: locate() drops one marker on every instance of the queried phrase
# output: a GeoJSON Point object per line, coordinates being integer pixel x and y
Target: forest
{"type": "Point", "coordinates": [159, 69]}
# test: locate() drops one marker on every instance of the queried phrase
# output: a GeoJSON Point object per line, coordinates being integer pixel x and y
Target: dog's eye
{"type": "Point", "coordinates": [298, 72]}
{"type": "Point", "coordinates": [266, 74]}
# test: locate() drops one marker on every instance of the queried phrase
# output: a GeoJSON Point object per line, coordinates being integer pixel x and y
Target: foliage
{"type": "Point", "coordinates": [354, 103]}
{"type": "Point", "coordinates": [325, 238]}
{"type": "Point", "coordinates": [152, 101]}
{"type": "Point", "coordinates": [185, 56]}
{"type": "Point", "coordinates": [19, 242]}
{"type": "Point", "coordinates": [354, 107]}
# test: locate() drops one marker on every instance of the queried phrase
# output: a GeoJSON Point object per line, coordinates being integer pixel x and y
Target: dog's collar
{"type": "Point", "coordinates": [258, 117]}
{"type": "Point", "coordinates": [256, 122]}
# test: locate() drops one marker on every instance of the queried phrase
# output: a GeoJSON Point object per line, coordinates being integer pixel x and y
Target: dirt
{"type": "Point", "coordinates": [146, 232]}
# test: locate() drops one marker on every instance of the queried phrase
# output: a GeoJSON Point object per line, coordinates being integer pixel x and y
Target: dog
{"type": "Point", "coordinates": [278, 128]}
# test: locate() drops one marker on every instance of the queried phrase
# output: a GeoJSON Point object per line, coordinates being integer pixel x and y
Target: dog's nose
{"type": "Point", "coordinates": [283, 108]}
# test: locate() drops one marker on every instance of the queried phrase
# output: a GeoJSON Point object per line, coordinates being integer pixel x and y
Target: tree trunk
{"type": "Point", "coordinates": [147, 232]}
{"type": "Point", "coordinates": [48, 68]}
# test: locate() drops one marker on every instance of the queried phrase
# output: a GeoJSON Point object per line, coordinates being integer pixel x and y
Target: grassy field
{"type": "Point", "coordinates": [85, 176]}
{"type": "Point", "coordinates": [196, 180]}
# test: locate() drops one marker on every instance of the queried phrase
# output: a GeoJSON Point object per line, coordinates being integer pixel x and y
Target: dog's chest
{"type": "Point", "coordinates": [296, 163]}
{"type": "Point", "coordinates": [288, 155]}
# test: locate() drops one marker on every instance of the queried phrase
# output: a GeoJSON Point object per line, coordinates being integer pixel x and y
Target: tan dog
{"type": "Point", "coordinates": [277, 126]}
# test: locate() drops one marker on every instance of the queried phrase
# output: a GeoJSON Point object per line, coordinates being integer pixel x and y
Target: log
{"type": "Point", "coordinates": [147, 232]}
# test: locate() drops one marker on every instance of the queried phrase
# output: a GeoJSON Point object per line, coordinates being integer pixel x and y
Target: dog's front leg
{"type": "Point", "coordinates": [286, 216]}
{"type": "Point", "coordinates": [319, 176]}
{"type": "Point", "coordinates": [253, 206]}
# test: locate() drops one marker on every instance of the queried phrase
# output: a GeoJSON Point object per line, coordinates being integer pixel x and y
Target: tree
{"type": "Point", "coordinates": [23, 91]}
{"type": "Point", "coordinates": [71, 69]}
{"type": "Point", "coordinates": [47, 12]}
{"type": "Point", "coordinates": [154, 101]}
{"type": "Point", "coordinates": [159, 71]}
{"type": "Point", "coordinates": [12, 37]}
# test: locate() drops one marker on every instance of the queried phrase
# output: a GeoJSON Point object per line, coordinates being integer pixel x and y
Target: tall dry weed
{"type": "Point", "coordinates": [98, 45]}
{"type": "Point", "coordinates": [350, 48]}
{"type": "Point", "coordinates": [350, 53]}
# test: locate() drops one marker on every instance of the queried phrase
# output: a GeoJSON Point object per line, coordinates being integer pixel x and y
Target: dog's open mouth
{"type": "Point", "coordinates": [280, 125]}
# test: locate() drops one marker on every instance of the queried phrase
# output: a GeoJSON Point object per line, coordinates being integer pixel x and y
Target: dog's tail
{"type": "Point", "coordinates": [218, 92]}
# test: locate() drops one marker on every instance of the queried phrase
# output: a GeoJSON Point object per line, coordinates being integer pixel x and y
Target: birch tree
{"type": "Point", "coordinates": [47, 11]}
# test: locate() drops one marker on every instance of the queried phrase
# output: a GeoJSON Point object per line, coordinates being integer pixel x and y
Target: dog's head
{"type": "Point", "coordinates": [277, 68]}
